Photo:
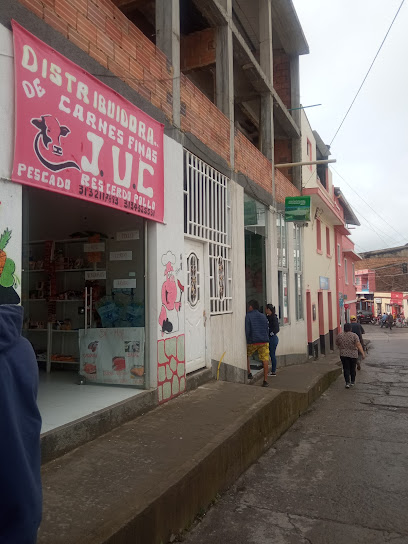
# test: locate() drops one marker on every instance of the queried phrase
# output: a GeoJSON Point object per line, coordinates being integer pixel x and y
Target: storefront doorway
{"type": "Point", "coordinates": [195, 315]}
{"type": "Point", "coordinates": [255, 251]}
{"type": "Point", "coordinates": [83, 292]}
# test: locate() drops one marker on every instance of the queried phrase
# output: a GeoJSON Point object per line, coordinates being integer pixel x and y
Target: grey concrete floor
{"type": "Point", "coordinates": [339, 475]}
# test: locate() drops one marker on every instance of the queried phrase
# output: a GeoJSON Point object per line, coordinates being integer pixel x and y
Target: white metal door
{"type": "Point", "coordinates": [195, 306]}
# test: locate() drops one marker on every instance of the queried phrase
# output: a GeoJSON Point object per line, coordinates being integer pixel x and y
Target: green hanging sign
{"type": "Point", "coordinates": [297, 208]}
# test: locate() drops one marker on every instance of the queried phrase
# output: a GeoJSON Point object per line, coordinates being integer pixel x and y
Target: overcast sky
{"type": "Point", "coordinates": [372, 147]}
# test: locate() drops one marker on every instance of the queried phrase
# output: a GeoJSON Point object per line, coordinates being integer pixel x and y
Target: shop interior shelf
{"type": "Point", "coordinates": [62, 331]}
{"type": "Point", "coordinates": [61, 270]}
{"type": "Point", "coordinates": [36, 330]}
{"type": "Point", "coordinates": [68, 300]}
{"type": "Point", "coordinates": [65, 241]}
{"type": "Point", "coordinates": [75, 270]}
{"type": "Point", "coordinates": [65, 362]}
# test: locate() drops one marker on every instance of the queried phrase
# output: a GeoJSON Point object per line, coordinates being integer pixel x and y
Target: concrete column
{"type": "Point", "coordinates": [296, 114]}
{"type": "Point", "coordinates": [225, 73]}
{"type": "Point", "coordinates": [168, 40]}
{"type": "Point", "coordinates": [266, 64]}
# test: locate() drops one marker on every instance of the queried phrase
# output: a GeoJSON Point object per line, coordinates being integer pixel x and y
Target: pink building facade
{"type": "Point", "coordinates": [345, 264]}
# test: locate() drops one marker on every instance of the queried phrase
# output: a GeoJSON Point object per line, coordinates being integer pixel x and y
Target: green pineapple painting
{"type": "Point", "coordinates": [7, 265]}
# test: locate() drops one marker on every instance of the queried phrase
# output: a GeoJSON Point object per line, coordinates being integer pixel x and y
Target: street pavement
{"type": "Point", "coordinates": [339, 475]}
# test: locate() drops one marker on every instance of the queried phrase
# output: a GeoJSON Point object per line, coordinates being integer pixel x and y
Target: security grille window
{"type": "Point", "coordinates": [283, 272]}
{"type": "Point", "coordinates": [207, 216]}
{"type": "Point", "coordinates": [297, 265]}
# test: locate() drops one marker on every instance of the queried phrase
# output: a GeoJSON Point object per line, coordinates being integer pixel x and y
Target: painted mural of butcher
{"type": "Point", "coordinates": [169, 314]}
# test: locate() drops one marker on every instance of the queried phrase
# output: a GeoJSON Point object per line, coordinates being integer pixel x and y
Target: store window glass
{"type": "Point", "coordinates": [283, 297]}
{"type": "Point", "coordinates": [83, 288]}
{"type": "Point", "coordinates": [298, 270]}
{"type": "Point", "coordinates": [283, 283]}
{"type": "Point", "coordinates": [255, 215]}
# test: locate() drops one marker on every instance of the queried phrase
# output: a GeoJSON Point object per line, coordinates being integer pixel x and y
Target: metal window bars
{"type": "Point", "coordinates": [207, 211]}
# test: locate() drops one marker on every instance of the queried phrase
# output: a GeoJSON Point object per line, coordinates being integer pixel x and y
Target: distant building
{"type": "Point", "coordinates": [329, 255]}
{"type": "Point", "coordinates": [382, 280]}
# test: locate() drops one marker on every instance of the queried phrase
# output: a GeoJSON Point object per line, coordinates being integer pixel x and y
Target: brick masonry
{"type": "Point", "coordinates": [100, 29]}
{"type": "Point", "coordinates": [198, 49]}
{"type": "Point", "coordinates": [283, 154]}
{"type": "Point", "coordinates": [281, 76]}
{"type": "Point", "coordinates": [252, 163]}
{"type": "Point", "coordinates": [283, 187]}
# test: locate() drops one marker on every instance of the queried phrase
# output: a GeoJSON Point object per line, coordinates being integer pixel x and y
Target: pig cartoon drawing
{"type": "Point", "coordinates": [169, 315]}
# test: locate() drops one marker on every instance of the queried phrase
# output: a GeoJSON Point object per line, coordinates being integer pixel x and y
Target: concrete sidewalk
{"type": "Point", "coordinates": [149, 478]}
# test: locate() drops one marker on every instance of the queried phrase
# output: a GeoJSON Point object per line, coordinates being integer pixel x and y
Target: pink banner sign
{"type": "Point", "coordinates": [77, 137]}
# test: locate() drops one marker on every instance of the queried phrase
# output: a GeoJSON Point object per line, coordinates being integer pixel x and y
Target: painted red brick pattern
{"type": "Point", "coordinates": [252, 163]}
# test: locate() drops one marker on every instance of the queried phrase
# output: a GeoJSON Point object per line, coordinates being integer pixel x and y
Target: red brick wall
{"type": "Point", "coordinates": [197, 49]}
{"type": "Point", "coordinates": [283, 154]}
{"type": "Point", "coordinates": [203, 119]}
{"type": "Point", "coordinates": [251, 162]}
{"type": "Point", "coordinates": [100, 29]}
{"type": "Point", "coordinates": [283, 187]}
{"type": "Point", "coordinates": [281, 76]}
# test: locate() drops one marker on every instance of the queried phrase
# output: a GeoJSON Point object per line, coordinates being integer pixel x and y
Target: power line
{"type": "Point", "coordinates": [369, 70]}
{"type": "Point", "coordinates": [370, 226]}
{"type": "Point", "coordinates": [371, 208]}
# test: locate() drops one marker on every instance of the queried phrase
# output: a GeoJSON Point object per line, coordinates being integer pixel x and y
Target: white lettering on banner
{"type": "Point", "coordinates": [95, 275]}
{"type": "Point", "coordinates": [88, 141]}
{"type": "Point", "coordinates": [93, 166]}
{"type": "Point", "coordinates": [32, 89]}
{"type": "Point", "coordinates": [148, 191]}
{"type": "Point", "coordinates": [120, 256]}
{"type": "Point", "coordinates": [125, 181]}
{"type": "Point", "coordinates": [95, 247]}
{"type": "Point", "coordinates": [44, 176]}
{"type": "Point", "coordinates": [124, 284]}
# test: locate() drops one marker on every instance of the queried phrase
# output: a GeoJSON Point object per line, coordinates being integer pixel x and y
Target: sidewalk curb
{"type": "Point", "coordinates": [217, 467]}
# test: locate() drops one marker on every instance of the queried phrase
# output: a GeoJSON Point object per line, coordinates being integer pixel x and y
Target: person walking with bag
{"type": "Point", "coordinates": [349, 344]}
{"type": "Point", "coordinates": [273, 323]}
{"type": "Point", "coordinates": [357, 328]}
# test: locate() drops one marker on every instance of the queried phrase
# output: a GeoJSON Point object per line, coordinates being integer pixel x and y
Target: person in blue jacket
{"type": "Point", "coordinates": [20, 427]}
{"type": "Point", "coordinates": [257, 337]}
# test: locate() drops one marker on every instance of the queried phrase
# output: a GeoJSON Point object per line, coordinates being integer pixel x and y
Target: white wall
{"type": "Point", "coordinates": [10, 193]}
{"type": "Point", "coordinates": [320, 265]}
{"type": "Point", "coordinates": [292, 336]}
{"type": "Point", "coordinates": [227, 332]}
{"type": "Point", "coordinates": [166, 245]}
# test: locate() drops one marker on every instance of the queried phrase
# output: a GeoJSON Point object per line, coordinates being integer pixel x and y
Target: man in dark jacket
{"type": "Point", "coordinates": [257, 337]}
{"type": "Point", "coordinates": [357, 328]}
{"type": "Point", "coordinates": [20, 427]}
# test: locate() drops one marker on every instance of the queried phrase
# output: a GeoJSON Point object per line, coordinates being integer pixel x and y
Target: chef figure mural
{"type": "Point", "coordinates": [171, 294]}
